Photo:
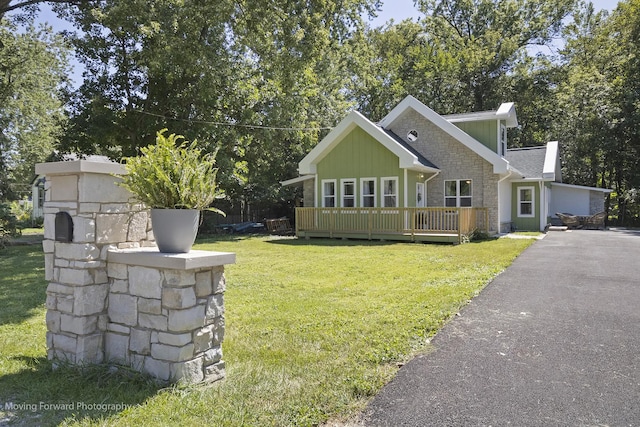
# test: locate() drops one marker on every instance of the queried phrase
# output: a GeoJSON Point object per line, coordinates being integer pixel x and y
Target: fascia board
{"type": "Point", "coordinates": [581, 187]}
{"type": "Point", "coordinates": [500, 165]}
{"type": "Point", "coordinates": [308, 164]}
{"type": "Point", "coordinates": [296, 180]}
{"type": "Point", "coordinates": [407, 159]}
{"type": "Point", "coordinates": [507, 111]}
{"type": "Point", "coordinates": [550, 161]}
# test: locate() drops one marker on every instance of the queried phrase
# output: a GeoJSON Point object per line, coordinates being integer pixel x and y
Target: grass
{"type": "Point", "coordinates": [314, 329]}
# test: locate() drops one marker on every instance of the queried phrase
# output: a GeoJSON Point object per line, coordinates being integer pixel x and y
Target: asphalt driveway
{"type": "Point", "coordinates": [552, 341]}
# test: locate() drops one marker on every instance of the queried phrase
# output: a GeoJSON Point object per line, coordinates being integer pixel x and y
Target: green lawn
{"type": "Point", "coordinates": [314, 328]}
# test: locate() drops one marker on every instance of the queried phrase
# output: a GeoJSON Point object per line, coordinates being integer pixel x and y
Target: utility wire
{"type": "Point", "coordinates": [230, 124]}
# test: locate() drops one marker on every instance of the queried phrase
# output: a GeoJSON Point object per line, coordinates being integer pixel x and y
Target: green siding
{"type": "Point", "coordinates": [525, 224]}
{"type": "Point", "coordinates": [486, 132]}
{"type": "Point", "coordinates": [359, 155]}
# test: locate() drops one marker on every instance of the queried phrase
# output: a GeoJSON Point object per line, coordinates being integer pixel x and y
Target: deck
{"type": "Point", "coordinates": [451, 225]}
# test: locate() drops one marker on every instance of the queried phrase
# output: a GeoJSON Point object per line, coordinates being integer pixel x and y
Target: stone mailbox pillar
{"type": "Point", "coordinates": [111, 295]}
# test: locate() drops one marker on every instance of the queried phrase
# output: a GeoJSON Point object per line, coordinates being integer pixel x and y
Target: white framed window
{"type": "Point", "coordinates": [503, 140]}
{"type": "Point", "coordinates": [457, 193]}
{"type": "Point", "coordinates": [526, 202]}
{"type": "Point", "coordinates": [389, 192]}
{"type": "Point", "coordinates": [348, 193]}
{"type": "Point", "coordinates": [328, 193]}
{"type": "Point", "coordinates": [368, 192]}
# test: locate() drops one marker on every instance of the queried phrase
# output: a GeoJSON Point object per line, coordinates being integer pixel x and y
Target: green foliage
{"type": "Point", "coordinates": [33, 64]}
{"type": "Point", "coordinates": [8, 221]}
{"type": "Point", "coordinates": [22, 210]}
{"type": "Point", "coordinates": [172, 175]}
{"type": "Point", "coordinates": [314, 329]}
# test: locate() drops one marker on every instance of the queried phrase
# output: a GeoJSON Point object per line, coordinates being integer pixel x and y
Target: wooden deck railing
{"type": "Point", "coordinates": [412, 221]}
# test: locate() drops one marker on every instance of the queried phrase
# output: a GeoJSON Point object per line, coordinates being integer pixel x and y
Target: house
{"type": "Point", "coordinates": [419, 175]}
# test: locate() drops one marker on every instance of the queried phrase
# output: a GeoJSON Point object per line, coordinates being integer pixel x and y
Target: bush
{"type": "Point", "coordinates": [8, 221]}
{"type": "Point", "coordinates": [22, 210]}
{"type": "Point", "coordinates": [8, 225]}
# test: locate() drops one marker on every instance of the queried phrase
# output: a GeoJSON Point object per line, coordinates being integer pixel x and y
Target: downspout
{"type": "Point", "coordinates": [499, 181]}
{"type": "Point", "coordinates": [543, 197]}
{"type": "Point", "coordinates": [425, 185]}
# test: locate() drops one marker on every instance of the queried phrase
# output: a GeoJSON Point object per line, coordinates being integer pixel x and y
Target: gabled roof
{"type": "Point", "coordinates": [500, 165]}
{"type": "Point", "coordinates": [506, 111]}
{"type": "Point", "coordinates": [407, 159]}
{"type": "Point", "coordinates": [540, 163]}
{"type": "Point", "coordinates": [402, 142]}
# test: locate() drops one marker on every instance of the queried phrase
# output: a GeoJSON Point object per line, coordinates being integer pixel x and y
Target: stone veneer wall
{"type": "Point", "coordinates": [93, 305]}
{"type": "Point", "coordinates": [165, 314]}
{"type": "Point", "coordinates": [455, 160]}
{"type": "Point", "coordinates": [103, 219]}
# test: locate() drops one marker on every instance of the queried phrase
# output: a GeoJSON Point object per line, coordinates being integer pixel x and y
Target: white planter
{"type": "Point", "coordinates": [175, 230]}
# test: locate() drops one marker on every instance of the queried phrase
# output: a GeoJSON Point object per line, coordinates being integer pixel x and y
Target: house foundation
{"type": "Point", "coordinates": [112, 297]}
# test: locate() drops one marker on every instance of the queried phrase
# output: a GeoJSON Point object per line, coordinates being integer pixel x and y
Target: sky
{"type": "Point", "coordinates": [397, 10]}
{"type": "Point", "coordinates": [402, 9]}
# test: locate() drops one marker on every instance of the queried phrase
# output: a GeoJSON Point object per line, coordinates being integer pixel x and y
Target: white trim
{"type": "Point", "coordinates": [296, 180]}
{"type": "Point", "coordinates": [500, 165]}
{"type": "Point", "coordinates": [406, 159]}
{"type": "Point", "coordinates": [532, 201]}
{"type": "Point", "coordinates": [354, 181]}
{"type": "Point", "coordinates": [551, 169]}
{"type": "Point", "coordinates": [502, 144]}
{"type": "Point", "coordinates": [426, 188]}
{"type": "Point", "coordinates": [375, 192]}
{"type": "Point", "coordinates": [406, 188]}
{"type": "Point", "coordinates": [506, 112]}
{"type": "Point", "coordinates": [335, 192]}
{"type": "Point", "coordinates": [581, 187]}
{"type": "Point", "coordinates": [383, 194]}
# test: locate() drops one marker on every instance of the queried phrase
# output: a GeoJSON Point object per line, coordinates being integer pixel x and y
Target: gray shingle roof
{"type": "Point", "coordinates": [422, 159]}
{"type": "Point", "coordinates": [529, 161]}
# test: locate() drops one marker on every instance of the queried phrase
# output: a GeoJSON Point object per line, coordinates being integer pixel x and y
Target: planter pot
{"type": "Point", "coordinates": [175, 229]}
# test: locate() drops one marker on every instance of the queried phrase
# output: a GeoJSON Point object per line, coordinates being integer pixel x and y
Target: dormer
{"type": "Point", "coordinates": [488, 127]}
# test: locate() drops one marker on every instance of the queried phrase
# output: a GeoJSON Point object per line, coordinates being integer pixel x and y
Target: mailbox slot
{"type": "Point", "coordinates": [64, 227]}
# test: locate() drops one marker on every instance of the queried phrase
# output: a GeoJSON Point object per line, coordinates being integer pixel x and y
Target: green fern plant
{"type": "Point", "coordinates": [172, 174]}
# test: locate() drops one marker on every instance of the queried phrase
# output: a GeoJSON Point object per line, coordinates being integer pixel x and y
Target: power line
{"type": "Point", "coordinates": [232, 124]}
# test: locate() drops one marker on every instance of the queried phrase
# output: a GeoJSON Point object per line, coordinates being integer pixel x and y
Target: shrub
{"type": "Point", "coordinates": [172, 175]}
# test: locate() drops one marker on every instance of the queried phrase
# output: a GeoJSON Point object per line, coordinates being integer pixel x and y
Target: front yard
{"type": "Point", "coordinates": [314, 328]}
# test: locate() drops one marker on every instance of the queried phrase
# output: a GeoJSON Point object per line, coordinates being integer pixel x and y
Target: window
{"type": "Point", "coordinates": [457, 193]}
{"type": "Point", "coordinates": [368, 192]}
{"type": "Point", "coordinates": [526, 202]}
{"type": "Point", "coordinates": [328, 193]}
{"type": "Point", "coordinates": [503, 140]}
{"type": "Point", "coordinates": [348, 193]}
{"type": "Point", "coordinates": [389, 192]}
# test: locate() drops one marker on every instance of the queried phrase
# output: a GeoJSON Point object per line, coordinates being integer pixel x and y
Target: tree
{"type": "Point", "coordinates": [600, 104]}
{"type": "Point", "coordinates": [259, 78]}
{"type": "Point", "coordinates": [32, 77]}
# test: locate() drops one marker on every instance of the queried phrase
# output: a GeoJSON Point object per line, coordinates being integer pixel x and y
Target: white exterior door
{"type": "Point", "coordinates": [420, 195]}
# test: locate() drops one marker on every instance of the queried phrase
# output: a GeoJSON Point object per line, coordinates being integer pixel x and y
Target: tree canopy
{"type": "Point", "coordinates": [263, 82]}
{"type": "Point", "coordinates": [33, 70]}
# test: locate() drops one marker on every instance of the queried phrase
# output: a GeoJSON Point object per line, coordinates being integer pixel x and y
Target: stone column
{"type": "Point", "coordinates": [165, 313]}
{"type": "Point", "coordinates": [112, 296]}
{"type": "Point", "coordinates": [76, 269]}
